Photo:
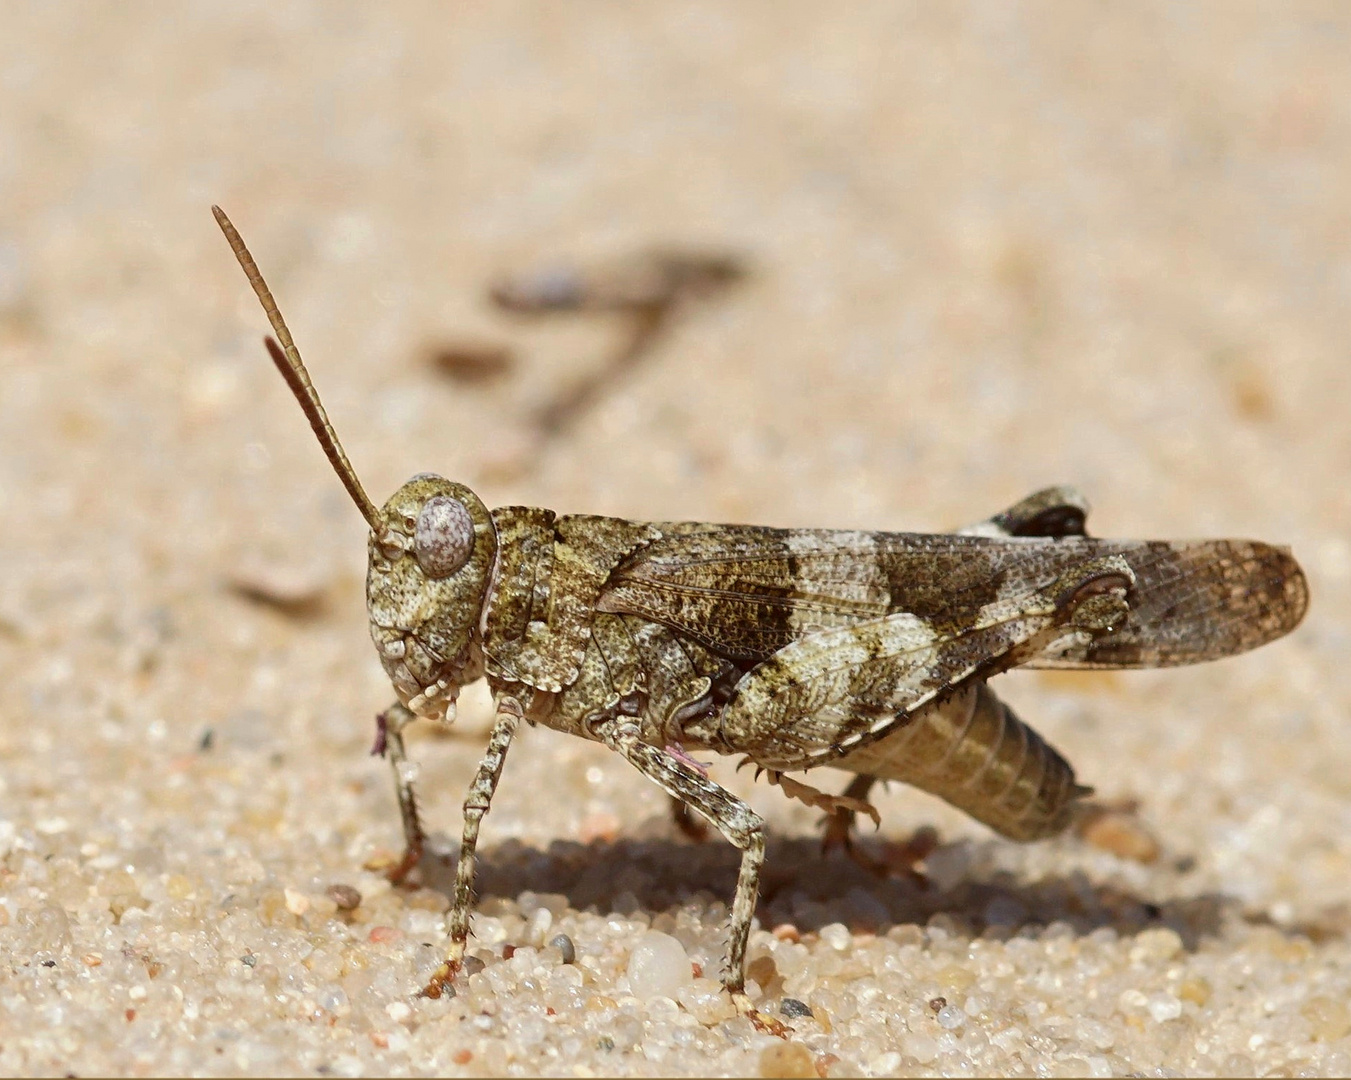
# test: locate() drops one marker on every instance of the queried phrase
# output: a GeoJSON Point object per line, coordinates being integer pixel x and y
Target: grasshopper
{"type": "Point", "coordinates": [868, 652]}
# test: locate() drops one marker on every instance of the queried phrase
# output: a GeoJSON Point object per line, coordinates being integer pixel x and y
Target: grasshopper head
{"type": "Point", "coordinates": [432, 547]}
{"type": "Point", "coordinates": [430, 563]}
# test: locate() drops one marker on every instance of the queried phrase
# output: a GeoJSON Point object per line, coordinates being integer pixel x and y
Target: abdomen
{"type": "Point", "coordinates": [973, 752]}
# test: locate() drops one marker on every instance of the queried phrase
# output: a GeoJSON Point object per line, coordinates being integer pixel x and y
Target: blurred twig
{"type": "Point", "coordinates": [648, 290]}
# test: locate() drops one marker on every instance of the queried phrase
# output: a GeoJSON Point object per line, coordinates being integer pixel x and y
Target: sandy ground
{"type": "Point", "coordinates": [988, 248]}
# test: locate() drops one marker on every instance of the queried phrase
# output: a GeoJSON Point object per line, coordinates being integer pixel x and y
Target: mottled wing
{"type": "Point", "coordinates": [745, 592]}
{"type": "Point", "coordinates": [1194, 601]}
{"type": "Point", "coordinates": [828, 692]}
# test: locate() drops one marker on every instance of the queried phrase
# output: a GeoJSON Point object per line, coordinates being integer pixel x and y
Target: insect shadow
{"type": "Point", "coordinates": [809, 890]}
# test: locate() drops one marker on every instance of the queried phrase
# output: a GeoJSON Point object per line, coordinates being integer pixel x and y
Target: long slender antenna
{"type": "Point", "coordinates": [287, 358]}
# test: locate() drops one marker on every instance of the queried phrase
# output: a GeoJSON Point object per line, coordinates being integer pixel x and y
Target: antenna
{"type": "Point", "coordinates": [287, 358]}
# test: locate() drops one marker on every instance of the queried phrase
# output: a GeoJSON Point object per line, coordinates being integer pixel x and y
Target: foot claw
{"type": "Point", "coordinates": [762, 1023]}
{"type": "Point", "coordinates": [440, 984]}
{"type": "Point", "coordinates": [768, 1025]}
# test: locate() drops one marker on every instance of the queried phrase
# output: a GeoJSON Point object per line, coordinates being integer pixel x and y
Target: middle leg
{"type": "Point", "coordinates": [476, 803]}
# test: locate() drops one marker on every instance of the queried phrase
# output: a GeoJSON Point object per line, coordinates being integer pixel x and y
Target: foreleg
{"type": "Point", "coordinates": [389, 743]}
{"type": "Point", "coordinates": [476, 805]}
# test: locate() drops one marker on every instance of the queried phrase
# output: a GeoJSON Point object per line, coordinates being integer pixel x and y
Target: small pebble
{"type": "Point", "coordinates": [956, 978]}
{"type": "Point", "coordinates": [787, 1059]}
{"type": "Point", "coordinates": [345, 896]}
{"type": "Point", "coordinates": [333, 999]}
{"type": "Point", "coordinates": [1163, 1007]}
{"type": "Point", "coordinates": [658, 966]}
{"type": "Point", "coordinates": [836, 935]}
{"type": "Point", "coordinates": [1155, 945]}
{"type": "Point", "coordinates": [1096, 1034]}
{"type": "Point", "coordinates": [792, 1008]}
{"type": "Point", "coordinates": [923, 1048]}
{"type": "Point", "coordinates": [1195, 989]}
{"type": "Point", "coordinates": [1329, 1018]}
{"type": "Point", "coordinates": [951, 1018]}
{"type": "Point", "coordinates": [564, 945]}
{"type": "Point", "coordinates": [706, 1001]}
{"type": "Point", "coordinates": [297, 903]}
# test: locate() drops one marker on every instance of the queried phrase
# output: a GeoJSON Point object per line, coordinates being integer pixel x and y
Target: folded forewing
{"type": "Point", "coordinates": [746, 592]}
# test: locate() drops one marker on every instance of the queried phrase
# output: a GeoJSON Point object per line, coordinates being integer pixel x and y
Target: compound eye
{"type": "Point", "coordinates": [443, 537]}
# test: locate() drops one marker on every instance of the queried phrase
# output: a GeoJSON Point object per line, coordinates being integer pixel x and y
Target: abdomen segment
{"type": "Point", "coordinates": [972, 751]}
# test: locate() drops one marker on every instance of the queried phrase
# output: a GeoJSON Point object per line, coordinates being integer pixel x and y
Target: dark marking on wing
{"type": "Point", "coordinates": [1196, 601]}
{"type": "Point", "coordinates": [745, 592]}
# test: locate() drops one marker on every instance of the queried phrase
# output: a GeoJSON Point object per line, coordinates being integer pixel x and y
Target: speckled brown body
{"type": "Point", "coordinates": [868, 652]}
{"type": "Point", "coordinates": [696, 632]}
{"type": "Point", "coordinates": [797, 648]}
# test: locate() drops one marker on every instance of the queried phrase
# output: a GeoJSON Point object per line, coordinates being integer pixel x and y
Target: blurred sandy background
{"type": "Point", "coordinates": [989, 247]}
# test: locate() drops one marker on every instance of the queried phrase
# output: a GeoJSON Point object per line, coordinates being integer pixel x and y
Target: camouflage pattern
{"type": "Point", "coordinates": [797, 648]}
